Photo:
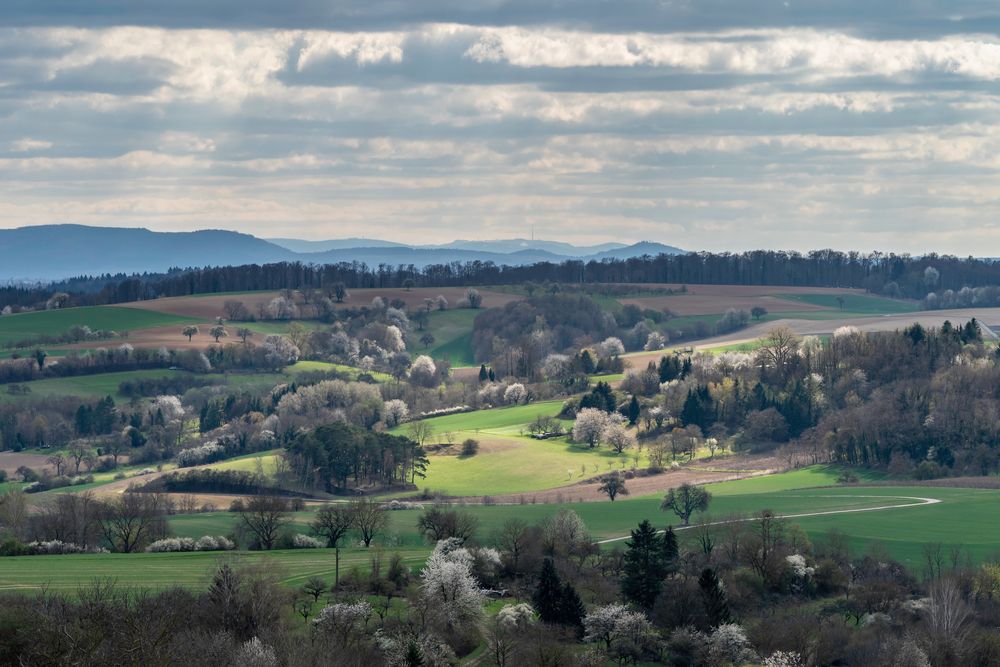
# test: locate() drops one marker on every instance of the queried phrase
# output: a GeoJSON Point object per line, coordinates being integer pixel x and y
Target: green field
{"type": "Point", "coordinates": [108, 318]}
{"type": "Point", "coordinates": [964, 518]}
{"type": "Point", "coordinates": [508, 461]}
{"type": "Point", "coordinates": [193, 569]}
{"type": "Point", "coordinates": [855, 304]}
{"type": "Point", "coordinates": [452, 331]}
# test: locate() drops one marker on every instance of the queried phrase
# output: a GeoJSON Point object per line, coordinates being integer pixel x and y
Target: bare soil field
{"type": "Point", "coordinates": [11, 461]}
{"type": "Point", "coordinates": [210, 306]}
{"type": "Point", "coordinates": [713, 299]}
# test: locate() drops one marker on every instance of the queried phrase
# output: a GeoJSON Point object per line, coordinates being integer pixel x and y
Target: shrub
{"type": "Point", "coordinates": [470, 447]}
{"type": "Point", "coordinates": [207, 453]}
{"type": "Point", "coordinates": [300, 541]}
{"type": "Point", "coordinates": [203, 543]}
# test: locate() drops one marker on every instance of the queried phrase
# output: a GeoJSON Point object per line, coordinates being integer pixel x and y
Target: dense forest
{"type": "Point", "coordinates": [893, 275]}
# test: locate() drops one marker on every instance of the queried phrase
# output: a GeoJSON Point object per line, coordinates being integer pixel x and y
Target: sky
{"type": "Point", "coordinates": [705, 124]}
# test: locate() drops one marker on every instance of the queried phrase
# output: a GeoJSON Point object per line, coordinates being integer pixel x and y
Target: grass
{"type": "Point", "coordinates": [855, 303]}
{"type": "Point", "coordinates": [957, 521]}
{"type": "Point", "coordinates": [109, 318]}
{"type": "Point", "coordinates": [165, 570]}
{"type": "Point", "coordinates": [452, 331]}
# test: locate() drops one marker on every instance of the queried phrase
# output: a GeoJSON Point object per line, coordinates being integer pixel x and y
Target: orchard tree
{"type": "Point", "coordinates": [190, 331]}
{"type": "Point", "coordinates": [244, 333]}
{"type": "Point", "coordinates": [617, 436]}
{"type": "Point", "coordinates": [613, 486]}
{"type": "Point", "coordinates": [590, 426]}
{"type": "Point", "coordinates": [685, 500]}
{"type": "Point", "coordinates": [217, 332]}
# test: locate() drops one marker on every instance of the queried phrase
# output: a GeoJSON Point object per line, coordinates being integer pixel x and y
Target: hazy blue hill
{"type": "Point", "coordinates": [62, 251]}
{"type": "Point", "coordinates": [56, 251]}
{"type": "Point", "coordinates": [299, 245]}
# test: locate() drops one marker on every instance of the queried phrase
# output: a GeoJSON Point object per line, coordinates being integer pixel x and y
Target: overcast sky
{"type": "Point", "coordinates": [706, 124]}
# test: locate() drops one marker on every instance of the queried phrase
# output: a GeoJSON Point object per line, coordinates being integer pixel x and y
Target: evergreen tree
{"type": "Point", "coordinates": [493, 376]}
{"type": "Point", "coordinates": [686, 368]}
{"type": "Point", "coordinates": [644, 566]}
{"type": "Point", "coordinates": [84, 420]}
{"type": "Point", "coordinates": [571, 609]}
{"type": "Point", "coordinates": [483, 373]}
{"type": "Point", "coordinates": [669, 369]}
{"type": "Point", "coordinates": [671, 551]}
{"type": "Point", "coordinates": [633, 411]}
{"type": "Point", "coordinates": [587, 363]}
{"type": "Point", "coordinates": [713, 596]}
{"type": "Point", "coordinates": [548, 595]}
{"type": "Point", "coordinates": [692, 413]}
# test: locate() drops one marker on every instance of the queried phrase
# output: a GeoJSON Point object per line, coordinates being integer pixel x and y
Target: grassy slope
{"type": "Point", "coordinates": [54, 322]}
{"type": "Point", "coordinates": [452, 331]}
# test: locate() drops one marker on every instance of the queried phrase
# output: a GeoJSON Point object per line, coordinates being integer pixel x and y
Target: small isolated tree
{"type": "Point", "coordinates": [427, 339]}
{"type": "Point", "coordinates": [613, 486]}
{"type": "Point", "coordinates": [314, 588]}
{"type": "Point", "coordinates": [244, 334]}
{"type": "Point", "coordinates": [333, 522]}
{"type": "Point", "coordinates": [617, 437]}
{"type": "Point", "coordinates": [685, 500]}
{"type": "Point", "coordinates": [264, 516]}
{"type": "Point", "coordinates": [590, 426]}
{"type": "Point", "coordinates": [217, 332]}
{"type": "Point", "coordinates": [40, 356]}
{"type": "Point", "coordinates": [369, 518]}
{"type": "Point", "coordinates": [408, 284]}
{"type": "Point", "coordinates": [758, 312]}
{"type": "Point", "coordinates": [474, 298]}
{"type": "Point", "coordinates": [190, 331]}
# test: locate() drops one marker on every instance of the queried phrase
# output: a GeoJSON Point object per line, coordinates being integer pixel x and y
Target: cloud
{"type": "Point", "coordinates": [28, 145]}
{"type": "Point", "coordinates": [432, 121]}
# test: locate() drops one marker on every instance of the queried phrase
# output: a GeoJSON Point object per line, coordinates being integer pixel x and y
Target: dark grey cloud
{"type": "Point", "coordinates": [889, 18]}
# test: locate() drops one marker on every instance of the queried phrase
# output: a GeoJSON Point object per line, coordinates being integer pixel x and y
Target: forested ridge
{"type": "Point", "coordinates": [893, 275]}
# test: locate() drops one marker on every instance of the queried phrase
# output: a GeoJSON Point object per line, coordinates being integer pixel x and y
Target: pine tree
{"type": "Point", "coordinates": [571, 609]}
{"type": "Point", "coordinates": [644, 566]}
{"type": "Point", "coordinates": [493, 376]}
{"type": "Point", "coordinates": [671, 551]}
{"type": "Point", "coordinates": [547, 597]}
{"type": "Point", "coordinates": [633, 411]}
{"type": "Point", "coordinates": [483, 373]}
{"type": "Point", "coordinates": [713, 596]}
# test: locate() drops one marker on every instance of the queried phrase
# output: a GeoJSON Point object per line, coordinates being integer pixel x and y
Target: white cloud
{"type": "Point", "coordinates": [28, 144]}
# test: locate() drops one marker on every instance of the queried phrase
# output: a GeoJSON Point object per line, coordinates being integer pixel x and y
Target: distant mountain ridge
{"type": "Point", "coordinates": [52, 252]}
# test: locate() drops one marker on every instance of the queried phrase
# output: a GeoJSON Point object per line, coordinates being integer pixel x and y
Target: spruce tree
{"type": "Point", "coordinates": [713, 596]}
{"type": "Point", "coordinates": [633, 411]}
{"type": "Point", "coordinates": [484, 375]}
{"type": "Point", "coordinates": [571, 609]}
{"type": "Point", "coordinates": [671, 551]}
{"type": "Point", "coordinates": [547, 597]}
{"type": "Point", "coordinates": [493, 376]}
{"type": "Point", "coordinates": [644, 566]}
